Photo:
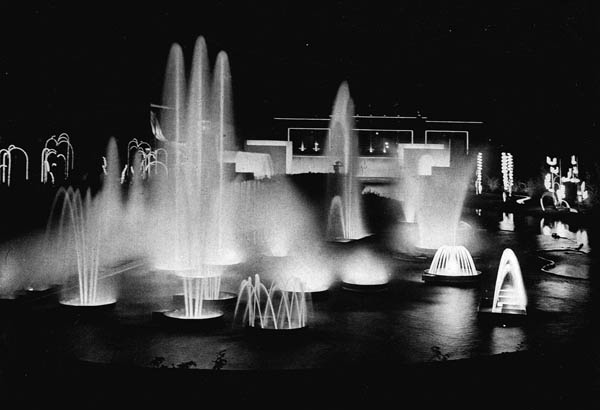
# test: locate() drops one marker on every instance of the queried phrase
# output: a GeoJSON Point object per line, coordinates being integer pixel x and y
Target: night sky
{"type": "Point", "coordinates": [530, 71]}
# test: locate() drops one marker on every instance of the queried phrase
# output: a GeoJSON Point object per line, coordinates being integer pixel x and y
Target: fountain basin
{"type": "Point", "coordinates": [75, 303]}
{"type": "Point", "coordinates": [176, 318]}
{"type": "Point", "coordinates": [365, 288]}
{"type": "Point", "coordinates": [318, 295]}
{"type": "Point", "coordinates": [73, 307]}
{"type": "Point", "coordinates": [469, 279]}
{"type": "Point", "coordinates": [224, 299]}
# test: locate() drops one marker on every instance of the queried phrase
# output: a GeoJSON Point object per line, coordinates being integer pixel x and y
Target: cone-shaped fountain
{"type": "Point", "coordinates": [509, 293]}
{"type": "Point", "coordinates": [452, 265]}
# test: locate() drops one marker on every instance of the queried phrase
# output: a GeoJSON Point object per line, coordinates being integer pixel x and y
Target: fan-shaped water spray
{"type": "Point", "coordinates": [272, 307]}
{"type": "Point", "coordinates": [452, 264]}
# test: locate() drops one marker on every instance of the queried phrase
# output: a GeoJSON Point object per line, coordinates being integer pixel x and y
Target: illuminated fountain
{"type": "Point", "coordinates": [345, 221]}
{"type": "Point", "coordinates": [6, 158]}
{"type": "Point", "coordinates": [150, 160]}
{"type": "Point", "coordinates": [56, 148]}
{"type": "Point", "coordinates": [439, 207]}
{"type": "Point", "coordinates": [307, 267]}
{"type": "Point", "coordinates": [194, 238]}
{"type": "Point", "coordinates": [452, 265]}
{"type": "Point", "coordinates": [79, 234]}
{"type": "Point", "coordinates": [509, 292]}
{"type": "Point", "coordinates": [363, 271]}
{"type": "Point", "coordinates": [279, 307]}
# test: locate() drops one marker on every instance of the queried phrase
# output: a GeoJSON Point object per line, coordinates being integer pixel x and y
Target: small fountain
{"type": "Point", "coordinates": [280, 308]}
{"type": "Point", "coordinates": [363, 271]}
{"type": "Point", "coordinates": [509, 293]}
{"type": "Point", "coordinates": [310, 269]}
{"type": "Point", "coordinates": [198, 288]}
{"type": "Point", "coordinates": [452, 265]}
{"type": "Point", "coordinates": [80, 229]}
{"type": "Point", "coordinates": [6, 158]}
{"type": "Point", "coordinates": [60, 148]}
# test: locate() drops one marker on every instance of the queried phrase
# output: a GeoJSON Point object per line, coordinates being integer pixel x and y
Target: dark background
{"type": "Point", "coordinates": [528, 69]}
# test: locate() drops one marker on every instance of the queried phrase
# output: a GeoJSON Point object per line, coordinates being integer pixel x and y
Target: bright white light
{"type": "Point", "coordinates": [452, 261]}
{"type": "Point", "coordinates": [508, 222]}
{"type": "Point", "coordinates": [6, 163]}
{"type": "Point", "coordinates": [509, 292]}
{"type": "Point", "coordinates": [507, 167]}
{"type": "Point", "coordinates": [548, 182]}
{"type": "Point", "coordinates": [478, 172]}
{"type": "Point", "coordinates": [272, 308]}
{"type": "Point", "coordinates": [364, 268]}
{"type": "Point", "coordinates": [61, 148]}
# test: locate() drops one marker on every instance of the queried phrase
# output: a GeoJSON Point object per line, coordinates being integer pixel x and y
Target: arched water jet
{"type": "Point", "coordinates": [272, 308]}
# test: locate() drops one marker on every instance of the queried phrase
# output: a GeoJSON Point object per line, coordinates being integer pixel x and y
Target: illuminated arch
{"type": "Point", "coordinates": [509, 293]}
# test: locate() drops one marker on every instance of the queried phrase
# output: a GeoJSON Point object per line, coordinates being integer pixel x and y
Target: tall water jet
{"type": "Point", "coordinates": [172, 117]}
{"type": "Point", "coordinates": [223, 140]}
{"type": "Point", "coordinates": [85, 235]}
{"type": "Point", "coordinates": [439, 207]}
{"type": "Point", "coordinates": [342, 150]}
{"type": "Point", "coordinates": [452, 265]}
{"type": "Point", "coordinates": [194, 238]}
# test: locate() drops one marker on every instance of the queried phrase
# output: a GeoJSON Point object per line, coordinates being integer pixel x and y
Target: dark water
{"type": "Point", "coordinates": [411, 322]}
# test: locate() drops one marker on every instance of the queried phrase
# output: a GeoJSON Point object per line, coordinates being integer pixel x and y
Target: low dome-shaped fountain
{"type": "Point", "coordinates": [363, 271]}
{"type": "Point", "coordinates": [452, 265]}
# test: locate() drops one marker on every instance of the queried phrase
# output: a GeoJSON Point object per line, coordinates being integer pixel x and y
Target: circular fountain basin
{"type": "Point", "coordinates": [180, 315]}
{"type": "Point", "coordinates": [317, 295]}
{"type": "Point", "coordinates": [7, 299]}
{"type": "Point", "coordinates": [224, 298]}
{"type": "Point", "coordinates": [365, 288]}
{"type": "Point", "coordinates": [74, 304]}
{"type": "Point", "coordinates": [179, 320]}
{"type": "Point", "coordinates": [429, 277]}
